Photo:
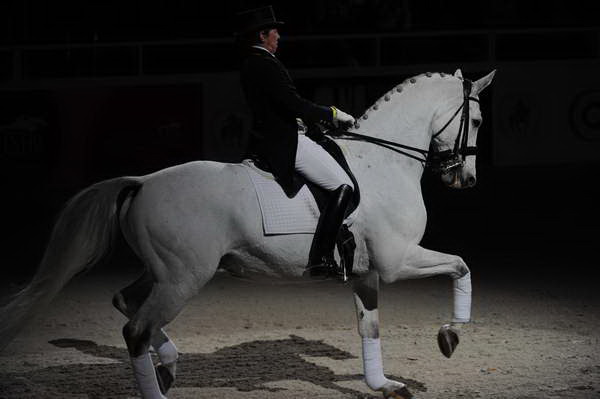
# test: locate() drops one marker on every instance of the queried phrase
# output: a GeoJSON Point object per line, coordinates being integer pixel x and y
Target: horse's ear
{"type": "Point", "coordinates": [458, 73]}
{"type": "Point", "coordinates": [484, 82]}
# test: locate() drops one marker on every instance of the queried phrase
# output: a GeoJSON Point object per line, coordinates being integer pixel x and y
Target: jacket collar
{"type": "Point", "coordinates": [264, 50]}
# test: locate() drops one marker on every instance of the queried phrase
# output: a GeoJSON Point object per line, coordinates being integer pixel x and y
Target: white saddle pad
{"type": "Point", "coordinates": [280, 214]}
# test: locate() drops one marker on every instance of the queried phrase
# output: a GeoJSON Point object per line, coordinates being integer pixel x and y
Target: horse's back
{"type": "Point", "coordinates": [198, 175]}
{"type": "Point", "coordinates": [202, 190]}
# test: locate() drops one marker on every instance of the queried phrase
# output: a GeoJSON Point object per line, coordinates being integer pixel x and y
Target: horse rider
{"type": "Point", "coordinates": [275, 140]}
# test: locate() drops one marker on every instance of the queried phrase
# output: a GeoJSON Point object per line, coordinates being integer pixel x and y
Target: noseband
{"type": "Point", "coordinates": [443, 161]}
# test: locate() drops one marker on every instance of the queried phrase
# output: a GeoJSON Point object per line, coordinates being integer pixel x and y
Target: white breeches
{"type": "Point", "coordinates": [316, 165]}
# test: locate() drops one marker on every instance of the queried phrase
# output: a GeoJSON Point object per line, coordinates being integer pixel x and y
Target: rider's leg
{"type": "Point", "coordinates": [321, 261]}
{"type": "Point", "coordinates": [315, 164]}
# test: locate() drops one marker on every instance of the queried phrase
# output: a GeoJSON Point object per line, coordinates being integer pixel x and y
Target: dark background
{"type": "Point", "coordinates": [97, 89]}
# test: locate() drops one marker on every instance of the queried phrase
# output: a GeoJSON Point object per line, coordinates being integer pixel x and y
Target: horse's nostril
{"type": "Point", "coordinates": [471, 181]}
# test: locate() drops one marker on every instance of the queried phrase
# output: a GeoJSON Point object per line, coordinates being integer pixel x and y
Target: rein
{"type": "Point", "coordinates": [391, 145]}
{"type": "Point", "coordinates": [443, 161]}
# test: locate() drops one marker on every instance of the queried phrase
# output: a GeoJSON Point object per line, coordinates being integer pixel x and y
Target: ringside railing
{"type": "Point", "coordinates": [354, 53]}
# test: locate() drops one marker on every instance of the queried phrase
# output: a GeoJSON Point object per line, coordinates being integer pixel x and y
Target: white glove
{"type": "Point", "coordinates": [340, 116]}
{"type": "Point", "coordinates": [302, 129]}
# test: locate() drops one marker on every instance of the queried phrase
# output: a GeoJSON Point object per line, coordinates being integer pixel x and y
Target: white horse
{"type": "Point", "coordinates": [186, 221]}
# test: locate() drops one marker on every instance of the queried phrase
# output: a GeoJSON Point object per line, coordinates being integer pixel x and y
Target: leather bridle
{"type": "Point", "coordinates": [442, 161]}
{"type": "Point", "coordinates": [451, 159]}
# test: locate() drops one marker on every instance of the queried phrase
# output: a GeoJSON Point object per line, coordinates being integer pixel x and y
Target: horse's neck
{"type": "Point", "coordinates": [404, 118]}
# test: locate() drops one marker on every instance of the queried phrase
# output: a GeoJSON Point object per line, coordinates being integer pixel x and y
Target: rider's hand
{"type": "Point", "coordinates": [342, 118]}
{"type": "Point", "coordinates": [302, 128]}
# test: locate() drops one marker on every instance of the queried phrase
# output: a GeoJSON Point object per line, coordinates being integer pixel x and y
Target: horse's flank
{"type": "Point", "coordinates": [222, 225]}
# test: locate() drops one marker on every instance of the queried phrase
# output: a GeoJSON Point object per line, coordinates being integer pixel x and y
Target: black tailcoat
{"type": "Point", "coordinates": [275, 105]}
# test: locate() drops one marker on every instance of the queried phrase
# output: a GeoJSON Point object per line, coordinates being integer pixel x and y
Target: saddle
{"type": "Point", "coordinates": [345, 242]}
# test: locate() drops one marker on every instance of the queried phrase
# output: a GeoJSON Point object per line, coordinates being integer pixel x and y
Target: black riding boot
{"type": "Point", "coordinates": [321, 263]}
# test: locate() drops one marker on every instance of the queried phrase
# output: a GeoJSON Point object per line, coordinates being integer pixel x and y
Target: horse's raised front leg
{"type": "Point", "coordinates": [414, 261]}
{"type": "Point", "coordinates": [365, 298]}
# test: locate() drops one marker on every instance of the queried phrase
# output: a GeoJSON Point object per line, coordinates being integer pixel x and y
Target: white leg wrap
{"type": "Point", "coordinates": [167, 352]}
{"type": "Point", "coordinates": [462, 299]}
{"type": "Point", "coordinates": [144, 373]}
{"type": "Point", "coordinates": [372, 363]}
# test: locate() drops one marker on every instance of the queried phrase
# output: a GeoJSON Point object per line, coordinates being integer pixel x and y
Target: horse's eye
{"type": "Point", "coordinates": [476, 122]}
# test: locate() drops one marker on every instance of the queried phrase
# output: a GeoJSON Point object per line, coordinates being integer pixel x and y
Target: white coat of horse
{"type": "Point", "coordinates": [186, 221]}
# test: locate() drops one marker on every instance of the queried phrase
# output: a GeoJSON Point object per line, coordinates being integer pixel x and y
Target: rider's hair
{"type": "Point", "coordinates": [251, 38]}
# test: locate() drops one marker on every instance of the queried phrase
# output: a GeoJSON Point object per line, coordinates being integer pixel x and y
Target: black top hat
{"type": "Point", "coordinates": [256, 19]}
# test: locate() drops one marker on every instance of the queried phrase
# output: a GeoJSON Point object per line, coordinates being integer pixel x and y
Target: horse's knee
{"type": "Point", "coordinates": [137, 338]}
{"type": "Point", "coordinates": [461, 267]}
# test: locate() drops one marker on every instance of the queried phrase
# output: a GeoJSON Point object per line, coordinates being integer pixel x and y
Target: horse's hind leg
{"type": "Point", "coordinates": [365, 298]}
{"type": "Point", "coordinates": [128, 301]}
{"type": "Point", "coordinates": [162, 304]}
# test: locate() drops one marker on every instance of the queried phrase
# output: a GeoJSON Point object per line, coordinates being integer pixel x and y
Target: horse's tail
{"type": "Point", "coordinates": [82, 236]}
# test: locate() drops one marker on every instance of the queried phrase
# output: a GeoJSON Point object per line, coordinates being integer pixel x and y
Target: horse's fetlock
{"type": "Point", "coordinates": [460, 261]}
{"type": "Point", "coordinates": [461, 267]}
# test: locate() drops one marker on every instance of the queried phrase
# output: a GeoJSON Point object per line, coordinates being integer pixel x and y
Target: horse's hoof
{"type": "Point", "coordinates": [447, 340]}
{"type": "Point", "coordinates": [165, 378]}
{"type": "Point", "coordinates": [400, 393]}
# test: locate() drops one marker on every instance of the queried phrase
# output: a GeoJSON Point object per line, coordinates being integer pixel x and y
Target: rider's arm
{"type": "Point", "coordinates": [278, 85]}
